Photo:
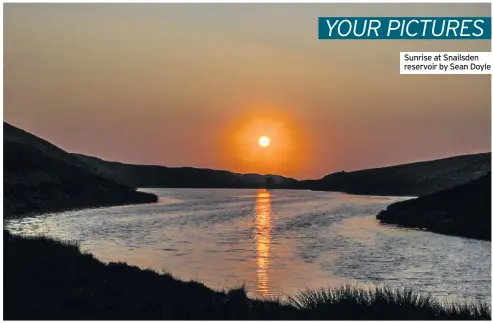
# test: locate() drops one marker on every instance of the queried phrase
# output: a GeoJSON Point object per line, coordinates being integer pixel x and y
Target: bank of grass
{"type": "Point", "coordinates": [349, 302]}
{"type": "Point", "coordinates": [49, 279]}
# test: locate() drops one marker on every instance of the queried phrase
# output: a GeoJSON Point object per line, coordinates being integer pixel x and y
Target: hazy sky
{"type": "Point", "coordinates": [197, 84]}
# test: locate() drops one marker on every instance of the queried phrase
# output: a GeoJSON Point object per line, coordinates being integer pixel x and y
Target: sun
{"type": "Point", "coordinates": [264, 141]}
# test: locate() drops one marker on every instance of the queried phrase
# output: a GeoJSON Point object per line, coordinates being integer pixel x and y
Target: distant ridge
{"type": "Point", "coordinates": [413, 179]}
{"type": "Point", "coordinates": [184, 177]}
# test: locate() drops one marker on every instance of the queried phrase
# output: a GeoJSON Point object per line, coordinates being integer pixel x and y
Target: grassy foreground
{"type": "Point", "coordinates": [49, 279]}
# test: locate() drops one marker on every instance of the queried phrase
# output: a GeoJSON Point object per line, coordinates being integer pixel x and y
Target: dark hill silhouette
{"type": "Point", "coordinates": [405, 180]}
{"type": "Point", "coordinates": [412, 179]}
{"type": "Point", "coordinates": [40, 177]}
{"type": "Point", "coordinates": [17, 135]}
{"type": "Point", "coordinates": [463, 210]}
{"type": "Point", "coordinates": [185, 177]}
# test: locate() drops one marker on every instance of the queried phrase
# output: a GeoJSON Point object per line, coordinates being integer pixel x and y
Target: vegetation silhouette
{"type": "Point", "coordinates": [53, 280]}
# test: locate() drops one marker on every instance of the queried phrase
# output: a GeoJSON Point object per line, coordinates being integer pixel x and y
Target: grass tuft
{"type": "Point", "coordinates": [351, 302]}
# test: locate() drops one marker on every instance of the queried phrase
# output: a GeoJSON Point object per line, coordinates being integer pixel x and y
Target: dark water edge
{"type": "Point", "coordinates": [23, 211]}
{"type": "Point", "coordinates": [49, 279]}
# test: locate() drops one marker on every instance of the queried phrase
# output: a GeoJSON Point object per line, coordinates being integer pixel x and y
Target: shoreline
{"type": "Point", "coordinates": [19, 232]}
{"type": "Point", "coordinates": [152, 199]}
{"type": "Point", "coordinates": [50, 279]}
{"type": "Point", "coordinates": [463, 210]}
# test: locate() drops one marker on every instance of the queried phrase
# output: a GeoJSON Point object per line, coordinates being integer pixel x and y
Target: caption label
{"type": "Point", "coordinates": [446, 62]}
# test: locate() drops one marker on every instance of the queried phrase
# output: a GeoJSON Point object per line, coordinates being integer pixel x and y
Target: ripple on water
{"type": "Point", "coordinates": [277, 242]}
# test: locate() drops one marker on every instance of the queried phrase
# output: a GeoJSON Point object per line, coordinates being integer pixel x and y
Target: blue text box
{"type": "Point", "coordinates": [404, 28]}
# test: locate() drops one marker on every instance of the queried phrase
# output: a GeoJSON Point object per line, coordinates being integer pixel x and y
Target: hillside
{"type": "Point", "coordinates": [412, 179]}
{"type": "Point", "coordinates": [464, 210]}
{"type": "Point", "coordinates": [17, 135]}
{"type": "Point", "coordinates": [40, 177]}
{"type": "Point", "coordinates": [185, 177]}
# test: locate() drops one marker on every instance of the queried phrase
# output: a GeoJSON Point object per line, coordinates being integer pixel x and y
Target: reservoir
{"type": "Point", "coordinates": [277, 242]}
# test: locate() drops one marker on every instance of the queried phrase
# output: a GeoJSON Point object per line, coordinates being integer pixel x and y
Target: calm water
{"type": "Point", "coordinates": [277, 242]}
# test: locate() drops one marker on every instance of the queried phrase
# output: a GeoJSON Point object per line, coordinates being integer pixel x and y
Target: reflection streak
{"type": "Point", "coordinates": [262, 239]}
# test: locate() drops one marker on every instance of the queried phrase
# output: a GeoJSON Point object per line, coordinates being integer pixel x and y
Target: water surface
{"type": "Point", "coordinates": [276, 242]}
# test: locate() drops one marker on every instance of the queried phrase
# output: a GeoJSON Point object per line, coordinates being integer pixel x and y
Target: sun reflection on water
{"type": "Point", "coordinates": [262, 239]}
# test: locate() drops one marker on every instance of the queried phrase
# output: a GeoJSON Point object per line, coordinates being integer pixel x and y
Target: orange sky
{"type": "Point", "coordinates": [196, 85]}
